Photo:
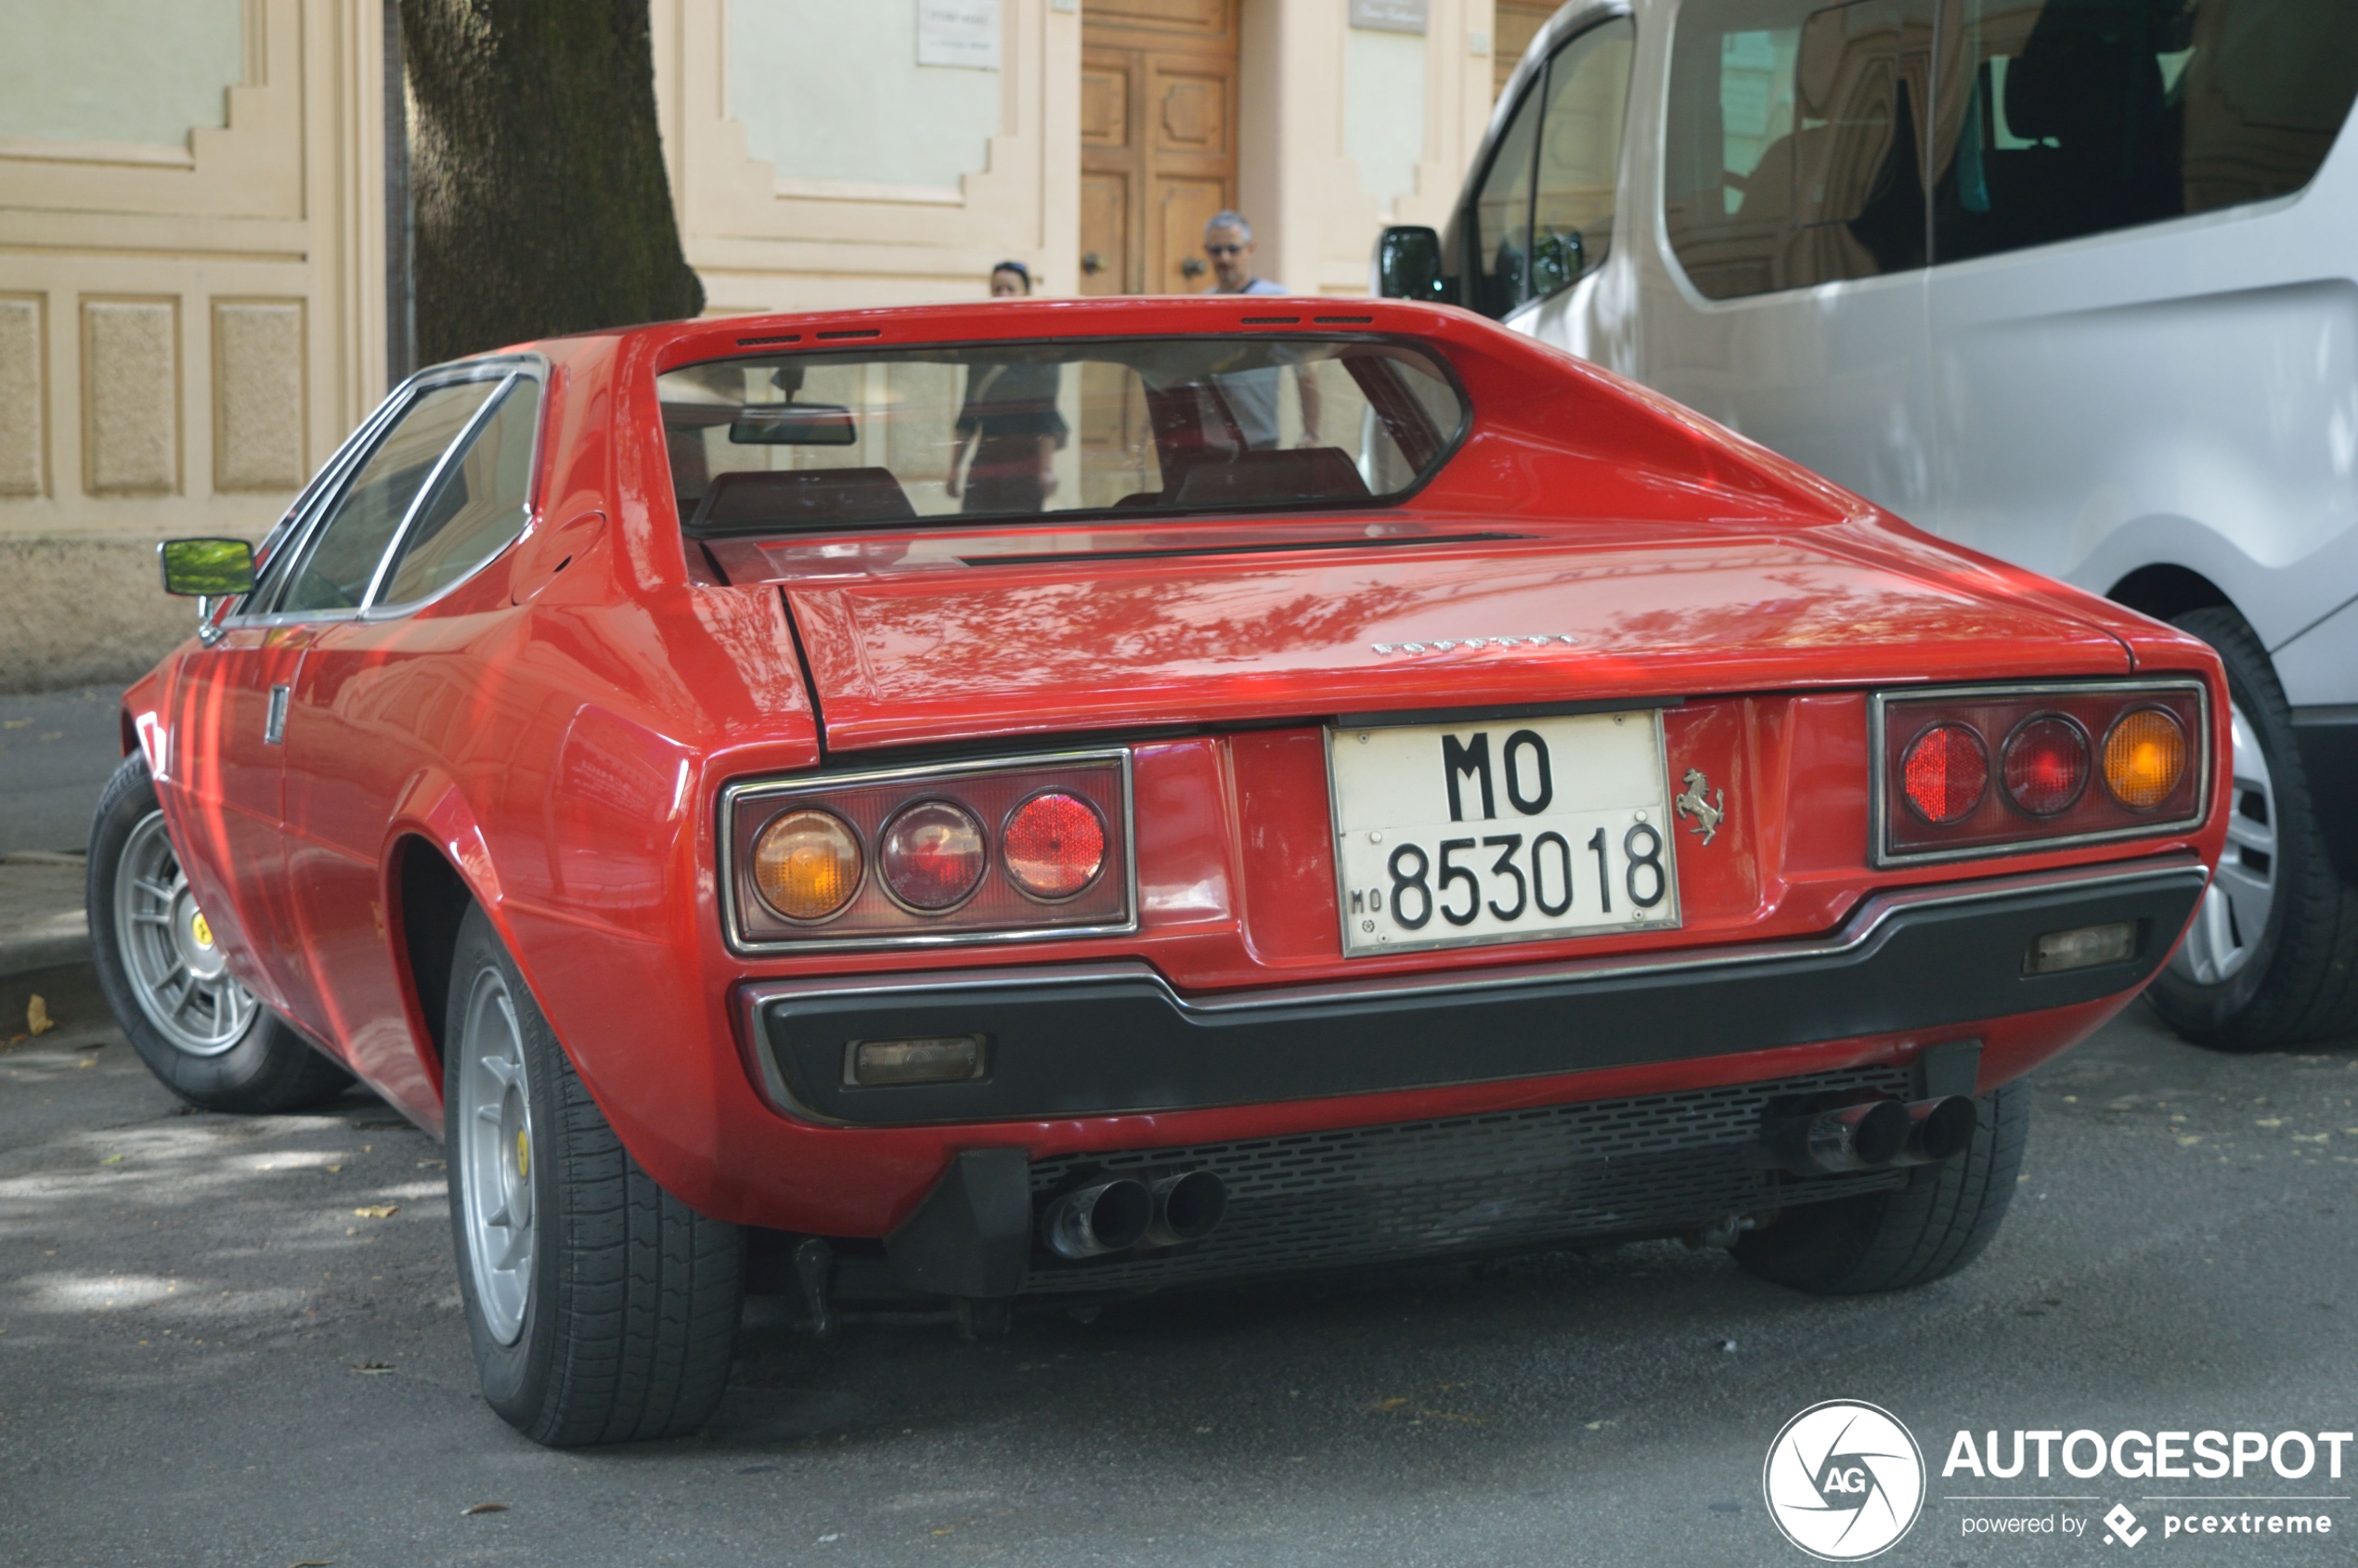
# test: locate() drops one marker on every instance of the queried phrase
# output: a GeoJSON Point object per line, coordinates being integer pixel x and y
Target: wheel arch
{"type": "Point", "coordinates": [2165, 590]}
{"type": "Point", "coordinates": [436, 864]}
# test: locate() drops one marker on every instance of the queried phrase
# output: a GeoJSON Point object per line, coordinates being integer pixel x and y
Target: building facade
{"type": "Point", "coordinates": [194, 260]}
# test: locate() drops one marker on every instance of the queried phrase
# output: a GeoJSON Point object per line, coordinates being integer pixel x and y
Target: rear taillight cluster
{"type": "Point", "coordinates": [1977, 771]}
{"type": "Point", "coordinates": [970, 850]}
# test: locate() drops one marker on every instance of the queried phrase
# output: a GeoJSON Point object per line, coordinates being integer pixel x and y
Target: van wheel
{"type": "Point", "coordinates": [601, 1308]}
{"type": "Point", "coordinates": [202, 1033]}
{"type": "Point", "coordinates": [1929, 1228]}
{"type": "Point", "coordinates": [2272, 956]}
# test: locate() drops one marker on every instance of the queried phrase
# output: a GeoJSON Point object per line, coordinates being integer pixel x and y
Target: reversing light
{"type": "Point", "coordinates": [2046, 764]}
{"type": "Point", "coordinates": [871, 1064]}
{"type": "Point", "coordinates": [2082, 947]}
{"type": "Point", "coordinates": [1946, 770]}
{"type": "Point", "coordinates": [1054, 845]}
{"type": "Point", "coordinates": [930, 854]}
{"type": "Point", "coordinates": [806, 865]}
{"type": "Point", "coordinates": [2145, 758]}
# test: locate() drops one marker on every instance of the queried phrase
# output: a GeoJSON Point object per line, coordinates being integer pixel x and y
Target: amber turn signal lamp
{"type": "Point", "coordinates": [2145, 758]}
{"type": "Point", "coordinates": [1054, 845]}
{"type": "Point", "coordinates": [1946, 770]}
{"type": "Point", "coordinates": [806, 865]}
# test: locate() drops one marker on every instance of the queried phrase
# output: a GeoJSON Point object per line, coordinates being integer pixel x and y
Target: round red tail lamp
{"type": "Point", "coordinates": [1054, 845]}
{"type": "Point", "coordinates": [1945, 770]}
{"type": "Point", "coordinates": [930, 855]}
{"type": "Point", "coordinates": [2046, 765]}
{"type": "Point", "coordinates": [806, 865]}
{"type": "Point", "coordinates": [2145, 758]}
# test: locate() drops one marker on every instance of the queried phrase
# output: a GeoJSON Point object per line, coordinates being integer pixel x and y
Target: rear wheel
{"type": "Point", "coordinates": [2272, 957]}
{"type": "Point", "coordinates": [167, 981]}
{"type": "Point", "coordinates": [601, 1308]}
{"type": "Point", "coordinates": [1931, 1227]}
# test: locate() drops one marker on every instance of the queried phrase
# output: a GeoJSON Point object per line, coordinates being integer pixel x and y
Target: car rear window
{"type": "Point", "coordinates": [793, 441]}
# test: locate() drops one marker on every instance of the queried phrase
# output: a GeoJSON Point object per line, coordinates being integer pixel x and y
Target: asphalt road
{"type": "Point", "coordinates": [57, 751]}
{"type": "Point", "coordinates": [207, 1357]}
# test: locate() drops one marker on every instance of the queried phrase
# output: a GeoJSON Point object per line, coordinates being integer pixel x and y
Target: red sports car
{"type": "Point", "coordinates": [1052, 800]}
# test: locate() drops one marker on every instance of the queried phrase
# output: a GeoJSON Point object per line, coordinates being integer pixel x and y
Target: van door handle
{"type": "Point", "coordinates": [274, 726]}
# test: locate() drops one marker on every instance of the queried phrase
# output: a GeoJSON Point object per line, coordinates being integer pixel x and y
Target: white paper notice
{"type": "Point", "coordinates": [963, 32]}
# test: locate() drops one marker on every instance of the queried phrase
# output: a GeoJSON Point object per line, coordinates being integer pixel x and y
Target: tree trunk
{"type": "Point", "coordinates": [536, 167]}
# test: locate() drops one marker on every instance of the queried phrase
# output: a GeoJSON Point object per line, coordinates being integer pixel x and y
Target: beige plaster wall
{"type": "Point", "coordinates": [187, 324]}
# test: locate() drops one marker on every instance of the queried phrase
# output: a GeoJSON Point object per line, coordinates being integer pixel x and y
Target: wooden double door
{"type": "Point", "coordinates": [1157, 140]}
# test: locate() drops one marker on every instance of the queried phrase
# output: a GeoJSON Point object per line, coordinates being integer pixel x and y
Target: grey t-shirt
{"type": "Point", "coordinates": [1252, 394]}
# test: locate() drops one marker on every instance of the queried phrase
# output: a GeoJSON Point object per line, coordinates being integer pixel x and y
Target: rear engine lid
{"type": "Point", "coordinates": [981, 636]}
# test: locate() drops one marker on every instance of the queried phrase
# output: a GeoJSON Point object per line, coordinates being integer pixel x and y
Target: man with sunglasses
{"type": "Point", "coordinates": [1252, 394]}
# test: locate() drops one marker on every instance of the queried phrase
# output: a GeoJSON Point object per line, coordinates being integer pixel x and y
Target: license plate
{"type": "Point", "coordinates": [1505, 830]}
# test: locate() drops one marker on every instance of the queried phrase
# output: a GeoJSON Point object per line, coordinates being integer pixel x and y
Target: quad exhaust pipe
{"type": "Point", "coordinates": [1121, 1213]}
{"type": "Point", "coordinates": [1872, 1136]}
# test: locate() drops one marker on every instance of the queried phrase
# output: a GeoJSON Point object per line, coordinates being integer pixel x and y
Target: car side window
{"type": "Point", "coordinates": [1579, 171]}
{"type": "Point", "coordinates": [1792, 151]}
{"type": "Point", "coordinates": [478, 506]}
{"type": "Point", "coordinates": [1498, 224]}
{"type": "Point", "coordinates": [340, 558]}
{"type": "Point", "coordinates": [1543, 216]}
{"type": "Point", "coordinates": [2071, 118]}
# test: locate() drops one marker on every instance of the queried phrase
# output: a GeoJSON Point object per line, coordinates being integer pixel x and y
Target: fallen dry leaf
{"type": "Point", "coordinates": [483, 1507]}
{"type": "Point", "coordinates": [111, 1159]}
{"type": "Point", "coordinates": [38, 1021]}
{"type": "Point", "coordinates": [315, 1562]}
{"type": "Point", "coordinates": [373, 1368]}
{"type": "Point", "coordinates": [379, 1210]}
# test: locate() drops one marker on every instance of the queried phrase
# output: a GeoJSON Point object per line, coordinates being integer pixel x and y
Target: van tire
{"type": "Point", "coordinates": [1932, 1226]}
{"type": "Point", "coordinates": [2301, 983]}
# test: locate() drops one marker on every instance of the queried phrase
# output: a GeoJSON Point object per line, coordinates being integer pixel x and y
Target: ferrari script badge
{"type": "Point", "coordinates": [1707, 813]}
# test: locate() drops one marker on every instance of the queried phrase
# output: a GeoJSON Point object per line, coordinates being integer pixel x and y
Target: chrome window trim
{"type": "Point", "coordinates": [819, 784]}
{"type": "Point", "coordinates": [1862, 926]}
{"type": "Point", "coordinates": [321, 496]}
{"type": "Point", "coordinates": [1881, 855]}
{"type": "Point", "coordinates": [459, 443]}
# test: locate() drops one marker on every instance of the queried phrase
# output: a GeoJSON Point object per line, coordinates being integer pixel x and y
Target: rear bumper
{"type": "Point", "coordinates": [1107, 1039]}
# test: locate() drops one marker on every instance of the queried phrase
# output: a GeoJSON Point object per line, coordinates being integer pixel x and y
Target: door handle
{"type": "Point", "coordinates": [1092, 262]}
{"type": "Point", "coordinates": [274, 726]}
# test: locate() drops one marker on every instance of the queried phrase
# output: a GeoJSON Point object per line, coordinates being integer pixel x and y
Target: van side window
{"type": "Point", "coordinates": [1791, 154]}
{"type": "Point", "coordinates": [2077, 117]}
{"type": "Point", "coordinates": [1541, 217]}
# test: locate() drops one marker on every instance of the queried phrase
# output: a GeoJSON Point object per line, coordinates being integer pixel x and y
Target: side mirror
{"type": "Point", "coordinates": [206, 568]}
{"type": "Point", "coordinates": [1408, 263]}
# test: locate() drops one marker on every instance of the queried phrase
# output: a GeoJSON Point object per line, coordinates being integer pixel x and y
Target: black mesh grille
{"type": "Point", "coordinates": [1472, 1184]}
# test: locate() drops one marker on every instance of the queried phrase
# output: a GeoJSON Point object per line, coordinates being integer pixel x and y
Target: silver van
{"type": "Point", "coordinates": [2074, 283]}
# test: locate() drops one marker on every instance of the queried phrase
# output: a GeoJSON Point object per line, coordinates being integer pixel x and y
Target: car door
{"type": "Point", "coordinates": [1783, 292]}
{"type": "Point", "coordinates": [220, 782]}
{"type": "Point", "coordinates": [322, 582]}
{"type": "Point", "coordinates": [377, 705]}
{"type": "Point", "coordinates": [2145, 346]}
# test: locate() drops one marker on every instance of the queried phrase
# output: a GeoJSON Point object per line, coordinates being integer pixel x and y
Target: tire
{"type": "Point", "coordinates": [215, 1045]}
{"type": "Point", "coordinates": [601, 1309]}
{"type": "Point", "coordinates": [1927, 1230]}
{"type": "Point", "coordinates": [2294, 978]}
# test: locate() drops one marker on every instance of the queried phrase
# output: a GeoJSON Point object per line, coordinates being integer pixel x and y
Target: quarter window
{"type": "Point", "coordinates": [477, 507]}
{"type": "Point", "coordinates": [2072, 118]}
{"type": "Point", "coordinates": [1792, 151]}
{"type": "Point", "coordinates": [341, 559]}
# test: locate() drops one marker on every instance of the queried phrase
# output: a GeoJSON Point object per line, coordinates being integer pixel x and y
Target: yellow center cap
{"type": "Point", "coordinates": [524, 1153]}
{"type": "Point", "coordinates": [202, 931]}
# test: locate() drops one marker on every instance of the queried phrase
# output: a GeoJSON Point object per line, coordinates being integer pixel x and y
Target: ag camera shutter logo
{"type": "Point", "coordinates": [1843, 1481]}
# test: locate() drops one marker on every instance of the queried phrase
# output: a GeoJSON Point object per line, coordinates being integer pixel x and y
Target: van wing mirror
{"type": "Point", "coordinates": [1408, 263]}
{"type": "Point", "coordinates": [206, 568]}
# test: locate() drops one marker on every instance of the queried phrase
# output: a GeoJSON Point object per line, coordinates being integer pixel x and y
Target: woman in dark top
{"type": "Point", "coordinates": [1010, 419]}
